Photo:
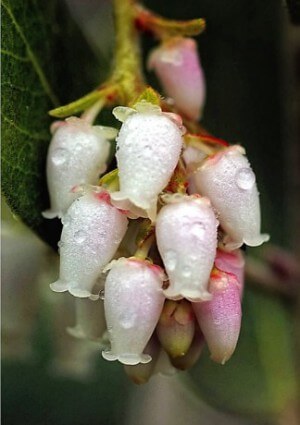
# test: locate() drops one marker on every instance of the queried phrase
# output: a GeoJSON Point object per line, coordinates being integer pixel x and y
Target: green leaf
{"type": "Point", "coordinates": [260, 378]}
{"type": "Point", "coordinates": [38, 62]}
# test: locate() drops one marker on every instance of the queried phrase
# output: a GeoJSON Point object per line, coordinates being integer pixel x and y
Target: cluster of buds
{"type": "Point", "coordinates": [152, 250]}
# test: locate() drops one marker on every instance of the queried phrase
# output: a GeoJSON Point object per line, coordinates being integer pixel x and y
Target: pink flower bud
{"type": "Point", "coordinates": [220, 318]}
{"type": "Point", "coordinates": [90, 319]}
{"type": "Point", "coordinates": [133, 303]}
{"type": "Point", "coordinates": [176, 327]}
{"type": "Point", "coordinates": [77, 155]}
{"type": "Point", "coordinates": [92, 232]}
{"type": "Point", "coordinates": [148, 150]}
{"type": "Point", "coordinates": [232, 262]}
{"type": "Point", "coordinates": [229, 182]}
{"type": "Point", "coordinates": [186, 234]}
{"type": "Point", "coordinates": [177, 65]}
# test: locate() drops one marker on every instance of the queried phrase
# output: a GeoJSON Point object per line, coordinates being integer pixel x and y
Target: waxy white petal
{"type": "Point", "coordinates": [186, 234]}
{"type": "Point", "coordinates": [92, 232]}
{"type": "Point", "coordinates": [148, 150]}
{"type": "Point", "coordinates": [77, 155]}
{"type": "Point", "coordinates": [133, 303]}
{"type": "Point", "coordinates": [229, 182]}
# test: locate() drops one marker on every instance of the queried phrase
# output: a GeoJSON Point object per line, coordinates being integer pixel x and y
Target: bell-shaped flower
{"type": "Point", "coordinates": [148, 150]}
{"type": "Point", "coordinates": [177, 65]}
{"type": "Point", "coordinates": [232, 262]}
{"type": "Point", "coordinates": [229, 182]}
{"type": "Point", "coordinates": [220, 318]}
{"type": "Point", "coordinates": [90, 319]}
{"type": "Point", "coordinates": [186, 235]}
{"type": "Point", "coordinates": [77, 155]}
{"type": "Point", "coordinates": [176, 327]}
{"type": "Point", "coordinates": [133, 303]}
{"type": "Point", "coordinates": [92, 232]}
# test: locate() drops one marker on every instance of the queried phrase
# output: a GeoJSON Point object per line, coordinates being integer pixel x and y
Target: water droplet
{"type": "Point", "coordinates": [170, 260]}
{"type": "Point", "coordinates": [60, 156]}
{"type": "Point", "coordinates": [147, 151]}
{"type": "Point", "coordinates": [245, 178]}
{"type": "Point", "coordinates": [102, 294]}
{"type": "Point", "coordinates": [186, 271]}
{"type": "Point", "coordinates": [78, 147]}
{"type": "Point", "coordinates": [127, 320]}
{"type": "Point", "coordinates": [198, 229]}
{"type": "Point", "coordinates": [80, 236]}
{"type": "Point", "coordinates": [66, 220]}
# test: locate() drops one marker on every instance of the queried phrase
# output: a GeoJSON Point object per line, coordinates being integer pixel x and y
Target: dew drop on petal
{"type": "Point", "coordinates": [80, 236]}
{"type": "Point", "coordinates": [66, 220]}
{"type": "Point", "coordinates": [170, 260]}
{"type": "Point", "coordinates": [186, 271]}
{"type": "Point", "coordinates": [245, 178]}
{"type": "Point", "coordinates": [198, 229]}
{"type": "Point", "coordinates": [78, 147]}
{"type": "Point", "coordinates": [60, 156]}
{"type": "Point", "coordinates": [127, 320]}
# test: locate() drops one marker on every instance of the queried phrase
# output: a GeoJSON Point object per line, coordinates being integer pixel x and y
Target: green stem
{"type": "Point", "coordinates": [128, 67]}
{"type": "Point", "coordinates": [143, 250]}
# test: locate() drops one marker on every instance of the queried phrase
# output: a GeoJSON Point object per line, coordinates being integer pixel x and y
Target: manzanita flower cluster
{"type": "Point", "coordinates": [152, 250]}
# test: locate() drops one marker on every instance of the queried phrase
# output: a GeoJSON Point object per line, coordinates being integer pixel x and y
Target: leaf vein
{"type": "Point", "coordinates": [14, 55]}
{"type": "Point", "coordinates": [35, 136]}
{"type": "Point", "coordinates": [35, 63]}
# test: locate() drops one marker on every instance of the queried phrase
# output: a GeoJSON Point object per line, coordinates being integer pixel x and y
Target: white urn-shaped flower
{"type": "Point", "coordinates": [227, 179]}
{"type": "Point", "coordinates": [133, 303]}
{"type": "Point", "coordinates": [92, 232]}
{"type": "Point", "coordinates": [186, 234]}
{"type": "Point", "coordinates": [148, 150]}
{"type": "Point", "coordinates": [77, 155]}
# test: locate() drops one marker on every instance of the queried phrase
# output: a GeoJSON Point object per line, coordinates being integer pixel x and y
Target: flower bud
{"type": "Point", "coordinates": [176, 327]}
{"type": "Point", "coordinates": [186, 234]}
{"type": "Point", "coordinates": [177, 65]}
{"type": "Point", "coordinates": [77, 155]}
{"type": "Point", "coordinates": [232, 262]}
{"type": "Point", "coordinates": [148, 149]}
{"type": "Point", "coordinates": [220, 318]}
{"type": "Point", "coordinates": [229, 182]}
{"type": "Point", "coordinates": [90, 319]}
{"type": "Point", "coordinates": [133, 303]}
{"type": "Point", "coordinates": [191, 357]}
{"type": "Point", "coordinates": [92, 232]}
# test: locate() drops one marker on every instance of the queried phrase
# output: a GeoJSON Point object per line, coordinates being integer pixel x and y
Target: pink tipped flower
{"type": "Point", "coordinates": [148, 150]}
{"type": "Point", "coordinates": [92, 232]}
{"type": "Point", "coordinates": [133, 303]}
{"type": "Point", "coordinates": [220, 318]}
{"type": "Point", "coordinates": [90, 319]}
{"type": "Point", "coordinates": [186, 234]}
{"type": "Point", "coordinates": [77, 155]}
{"type": "Point", "coordinates": [229, 182]}
{"type": "Point", "coordinates": [232, 262]}
{"type": "Point", "coordinates": [177, 65]}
